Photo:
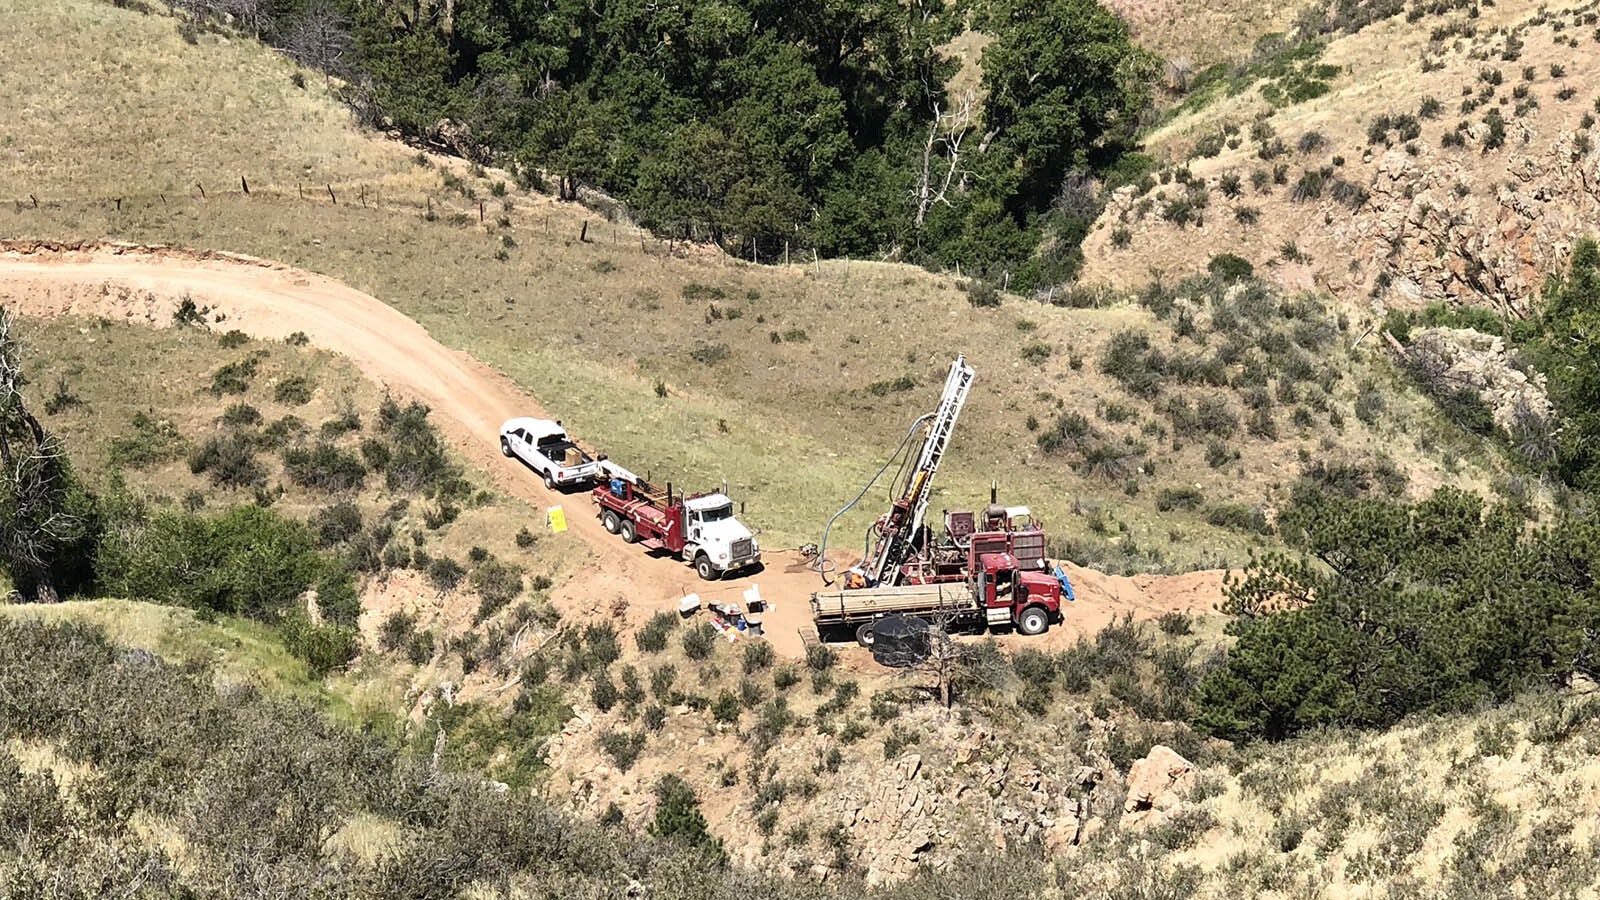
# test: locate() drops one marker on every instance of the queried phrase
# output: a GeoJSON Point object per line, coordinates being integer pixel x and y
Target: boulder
{"type": "Point", "coordinates": [1156, 786]}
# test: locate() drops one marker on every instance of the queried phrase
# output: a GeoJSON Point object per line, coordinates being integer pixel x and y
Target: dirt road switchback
{"type": "Point", "coordinates": [469, 401]}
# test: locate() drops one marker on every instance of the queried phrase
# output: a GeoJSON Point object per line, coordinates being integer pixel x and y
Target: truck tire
{"type": "Point", "coordinates": [628, 531]}
{"type": "Point", "coordinates": [549, 483]}
{"type": "Point", "coordinates": [505, 447]}
{"type": "Point", "coordinates": [610, 521]}
{"type": "Point", "coordinates": [704, 568]}
{"type": "Point", "coordinates": [1034, 620]}
{"type": "Point", "coordinates": [864, 635]}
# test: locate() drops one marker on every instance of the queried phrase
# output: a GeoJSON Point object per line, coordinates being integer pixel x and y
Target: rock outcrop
{"type": "Point", "coordinates": [1157, 785]}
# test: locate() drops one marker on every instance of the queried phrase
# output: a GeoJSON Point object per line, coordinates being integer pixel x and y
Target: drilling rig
{"type": "Point", "coordinates": [988, 568]}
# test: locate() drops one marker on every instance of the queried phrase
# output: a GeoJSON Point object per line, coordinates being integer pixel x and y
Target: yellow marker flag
{"type": "Point", "coordinates": [556, 519]}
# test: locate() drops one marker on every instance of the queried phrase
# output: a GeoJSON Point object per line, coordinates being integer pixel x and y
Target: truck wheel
{"type": "Point", "coordinates": [628, 532]}
{"type": "Point", "coordinates": [1034, 620]}
{"type": "Point", "coordinates": [864, 635]}
{"type": "Point", "coordinates": [704, 568]}
{"type": "Point", "coordinates": [505, 447]}
{"type": "Point", "coordinates": [610, 521]}
{"type": "Point", "coordinates": [549, 483]}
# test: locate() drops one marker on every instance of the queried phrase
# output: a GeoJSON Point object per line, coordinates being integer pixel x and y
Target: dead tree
{"type": "Point", "coordinates": [39, 518]}
{"type": "Point", "coordinates": [953, 667]}
{"type": "Point", "coordinates": [941, 157]}
{"type": "Point", "coordinates": [320, 39]}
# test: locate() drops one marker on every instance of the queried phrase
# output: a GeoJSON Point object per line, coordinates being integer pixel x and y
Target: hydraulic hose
{"type": "Point", "coordinates": [822, 552]}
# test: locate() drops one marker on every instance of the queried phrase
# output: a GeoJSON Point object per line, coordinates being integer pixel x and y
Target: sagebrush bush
{"type": "Point", "coordinates": [445, 573]}
{"type": "Point", "coordinates": [324, 466]}
{"type": "Point", "coordinates": [336, 523]}
{"type": "Point", "coordinates": [235, 377]}
{"type": "Point", "coordinates": [152, 442]}
{"type": "Point", "coordinates": [699, 640]}
{"type": "Point", "coordinates": [294, 390]}
{"type": "Point", "coordinates": [496, 584]}
{"type": "Point", "coordinates": [229, 461]}
{"type": "Point", "coordinates": [416, 459]}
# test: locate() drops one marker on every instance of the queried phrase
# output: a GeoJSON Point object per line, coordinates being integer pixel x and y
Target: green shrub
{"type": "Point", "coordinates": [603, 694]}
{"type": "Point", "coordinates": [445, 573]}
{"type": "Point", "coordinates": [785, 677]}
{"type": "Point", "coordinates": [240, 415]}
{"type": "Point", "coordinates": [1127, 358]}
{"type": "Point", "coordinates": [496, 584]}
{"type": "Point", "coordinates": [699, 640]}
{"type": "Point", "coordinates": [981, 294]}
{"type": "Point", "coordinates": [1229, 267]}
{"type": "Point", "coordinates": [229, 461]}
{"type": "Point", "coordinates": [323, 647]}
{"type": "Point", "coordinates": [416, 460]}
{"type": "Point", "coordinates": [1238, 517]}
{"type": "Point", "coordinates": [820, 657]}
{"type": "Point", "coordinates": [1070, 430]}
{"type": "Point", "coordinates": [892, 386]}
{"type": "Point", "coordinates": [295, 390]}
{"type": "Point", "coordinates": [652, 638]}
{"type": "Point", "coordinates": [234, 378]}
{"type": "Point", "coordinates": [678, 818]}
{"type": "Point", "coordinates": [324, 466]}
{"type": "Point", "coordinates": [336, 523]}
{"type": "Point", "coordinates": [249, 561]}
{"type": "Point", "coordinates": [153, 442]}
{"type": "Point", "coordinates": [758, 656]}
{"type": "Point", "coordinates": [622, 747]}
{"type": "Point", "coordinates": [1179, 498]}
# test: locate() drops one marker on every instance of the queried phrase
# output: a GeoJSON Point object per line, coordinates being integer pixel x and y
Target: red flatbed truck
{"type": "Point", "coordinates": [699, 529]}
{"type": "Point", "coordinates": [996, 576]}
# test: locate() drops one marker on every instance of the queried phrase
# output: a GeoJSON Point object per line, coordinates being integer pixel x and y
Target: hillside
{"type": "Point", "coordinates": [1448, 159]}
{"type": "Point", "coordinates": [230, 297]}
{"type": "Point", "coordinates": [820, 365]}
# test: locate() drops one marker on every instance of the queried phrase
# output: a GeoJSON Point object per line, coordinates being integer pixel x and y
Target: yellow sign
{"type": "Point", "coordinates": [556, 519]}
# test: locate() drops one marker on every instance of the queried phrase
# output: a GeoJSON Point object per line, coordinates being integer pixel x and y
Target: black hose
{"type": "Point", "coordinates": [822, 552]}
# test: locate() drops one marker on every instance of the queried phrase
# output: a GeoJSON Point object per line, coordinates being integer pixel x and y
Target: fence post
{"type": "Point", "coordinates": [35, 201]}
{"type": "Point", "coordinates": [583, 236]}
{"type": "Point", "coordinates": [202, 189]}
{"type": "Point", "coordinates": [331, 196]}
{"type": "Point", "coordinates": [244, 184]}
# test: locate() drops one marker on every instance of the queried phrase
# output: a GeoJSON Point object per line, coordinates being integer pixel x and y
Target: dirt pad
{"type": "Point", "coordinates": [469, 401]}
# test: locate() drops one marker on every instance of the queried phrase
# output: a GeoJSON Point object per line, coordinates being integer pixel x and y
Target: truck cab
{"type": "Point", "coordinates": [714, 538]}
{"type": "Point", "coordinates": [1010, 594]}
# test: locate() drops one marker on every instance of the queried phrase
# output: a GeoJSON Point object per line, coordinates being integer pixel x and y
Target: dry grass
{"type": "Point", "coordinates": [1203, 33]}
{"type": "Point", "coordinates": [241, 650]}
{"type": "Point", "coordinates": [107, 102]}
{"type": "Point", "coordinates": [1497, 803]}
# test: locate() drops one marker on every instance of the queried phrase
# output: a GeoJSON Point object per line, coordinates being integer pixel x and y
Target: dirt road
{"type": "Point", "coordinates": [469, 401]}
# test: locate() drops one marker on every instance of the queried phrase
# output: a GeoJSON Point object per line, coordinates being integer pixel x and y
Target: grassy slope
{"type": "Point", "coordinates": [106, 102]}
{"type": "Point", "coordinates": [173, 368]}
{"type": "Point", "coordinates": [591, 328]}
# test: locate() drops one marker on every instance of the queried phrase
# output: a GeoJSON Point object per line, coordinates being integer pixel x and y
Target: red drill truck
{"type": "Point", "coordinates": [699, 529]}
{"type": "Point", "coordinates": [982, 575]}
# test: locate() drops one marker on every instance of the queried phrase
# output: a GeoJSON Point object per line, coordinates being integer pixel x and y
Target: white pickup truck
{"type": "Point", "coordinates": [544, 446]}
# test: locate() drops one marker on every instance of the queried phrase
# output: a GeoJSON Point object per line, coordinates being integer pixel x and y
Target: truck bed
{"type": "Point", "coordinates": [835, 606]}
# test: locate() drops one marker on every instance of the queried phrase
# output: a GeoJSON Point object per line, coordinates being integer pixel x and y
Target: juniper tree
{"type": "Point", "coordinates": [47, 521]}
